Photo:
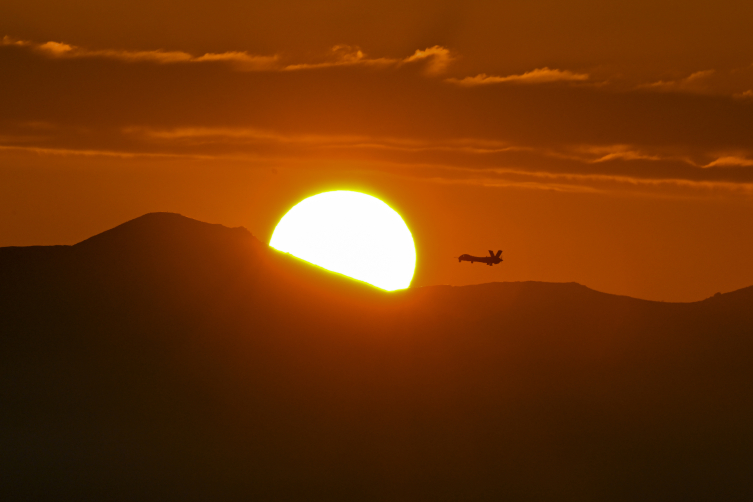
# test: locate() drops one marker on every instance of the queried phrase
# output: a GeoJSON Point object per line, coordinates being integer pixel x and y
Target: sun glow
{"type": "Point", "coordinates": [350, 233]}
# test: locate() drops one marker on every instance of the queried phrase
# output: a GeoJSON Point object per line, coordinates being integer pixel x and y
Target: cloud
{"type": "Point", "coordinates": [12, 41]}
{"type": "Point", "coordinates": [83, 152]}
{"type": "Point", "coordinates": [238, 135]}
{"type": "Point", "coordinates": [537, 76]}
{"type": "Point", "coordinates": [695, 82]}
{"type": "Point", "coordinates": [56, 48]}
{"type": "Point", "coordinates": [474, 158]}
{"type": "Point", "coordinates": [437, 59]}
{"type": "Point", "coordinates": [744, 95]}
{"type": "Point", "coordinates": [461, 160]}
{"type": "Point", "coordinates": [241, 60]}
{"type": "Point", "coordinates": [596, 154]}
{"type": "Point", "coordinates": [585, 183]}
{"type": "Point", "coordinates": [730, 161]}
{"type": "Point", "coordinates": [697, 76]}
{"type": "Point", "coordinates": [298, 117]}
{"type": "Point", "coordinates": [343, 55]}
{"type": "Point", "coordinates": [524, 185]}
{"type": "Point", "coordinates": [251, 136]}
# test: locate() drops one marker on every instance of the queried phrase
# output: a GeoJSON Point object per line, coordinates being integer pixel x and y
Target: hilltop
{"type": "Point", "coordinates": [170, 359]}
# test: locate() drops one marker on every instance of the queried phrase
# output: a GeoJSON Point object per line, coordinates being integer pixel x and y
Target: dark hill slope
{"type": "Point", "coordinates": [169, 359]}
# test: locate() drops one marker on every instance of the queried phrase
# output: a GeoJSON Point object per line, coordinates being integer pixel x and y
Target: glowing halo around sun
{"type": "Point", "coordinates": [350, 233]}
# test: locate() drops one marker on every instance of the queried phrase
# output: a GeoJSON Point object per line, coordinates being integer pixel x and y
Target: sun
{"type": "Point", "coordinates": [351, 233]}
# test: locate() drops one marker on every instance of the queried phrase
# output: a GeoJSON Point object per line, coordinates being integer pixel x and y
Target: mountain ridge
{"type": "Point", "coordinates": [166, 228]}
{"type": "Point", "coordinates": [196, 363]}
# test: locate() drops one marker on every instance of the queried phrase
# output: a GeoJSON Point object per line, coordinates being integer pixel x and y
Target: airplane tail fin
{"type": "Point", "coordinates": [498, 253]}
{"type": "Point", "coordinates": [491, 253]}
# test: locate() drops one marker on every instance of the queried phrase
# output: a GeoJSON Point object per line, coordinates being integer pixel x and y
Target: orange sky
{"type": "Point", "coordinates": [600, 142]}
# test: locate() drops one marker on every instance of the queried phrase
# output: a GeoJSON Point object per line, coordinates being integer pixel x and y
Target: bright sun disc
{"type": "Point", "coordinates": [351, 233]}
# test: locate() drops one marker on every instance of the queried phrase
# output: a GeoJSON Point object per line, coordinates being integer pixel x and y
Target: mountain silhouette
{"type": "Point", "coordinates": [170, 359]}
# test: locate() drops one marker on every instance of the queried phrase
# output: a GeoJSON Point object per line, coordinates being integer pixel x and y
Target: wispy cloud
{"type": "Point", "coordinates": [629, 136]}
{"type": "Point", "coordinates": [472, 155]}
{"type": "Point", "coordinates": [595, 154]}
{"type": "Point", "coordinates": [240, 135]}
{"type": "Point", "coordinates": [537, 76]}
{"type": "Point", "coordinates": [695, 82]}
{"type": "Point", "coordinates": [731, 161]}
{"type": "Point", "coordinates": [241, 60]}
{"type": "Point", "coordinates": [583, 183]}
{"type": "Point", "coordinates": [83, 152]}
{"type": "Point", "coordinates": [204, 135]}
{"type": "Point", "coordinates": [437, 59]}
{"type": "Point", "coordinates": [12, 41]}
{"type": "Point", "coordinates": [461, 160]}
{"type": "Point", "coordinates": [342, 55]}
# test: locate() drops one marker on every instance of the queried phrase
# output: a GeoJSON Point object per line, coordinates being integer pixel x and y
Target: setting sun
{"type": "Point", "coordinates": [350, 233]}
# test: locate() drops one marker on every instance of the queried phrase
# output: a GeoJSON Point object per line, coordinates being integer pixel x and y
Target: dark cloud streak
{"type": "Point", "coordinates": [100, 104]}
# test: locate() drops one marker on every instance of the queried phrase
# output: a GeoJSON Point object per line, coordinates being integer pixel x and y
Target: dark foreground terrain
{"type": "Point", "coordinates": [169, 359]}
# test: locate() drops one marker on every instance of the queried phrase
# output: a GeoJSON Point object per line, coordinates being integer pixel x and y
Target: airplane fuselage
{"type": "Point", "coordinates": [490, 260]}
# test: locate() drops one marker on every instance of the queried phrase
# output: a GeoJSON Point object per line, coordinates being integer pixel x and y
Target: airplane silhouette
{"type": "Point", "coordinates": [490, 260]}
